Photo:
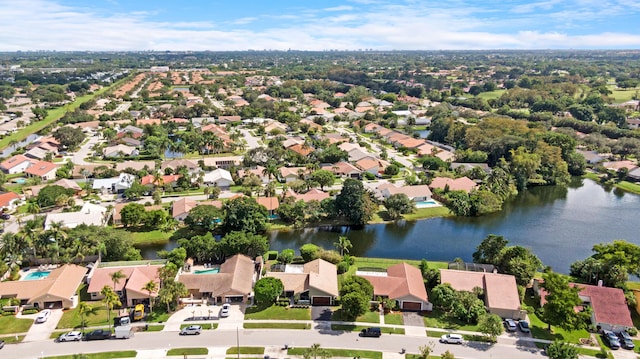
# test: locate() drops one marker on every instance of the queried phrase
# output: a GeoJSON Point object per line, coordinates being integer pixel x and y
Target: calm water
{"type": "Point", "coordinates": [560, 224]}
{"type": "Point", "coordinates": [10, 149]}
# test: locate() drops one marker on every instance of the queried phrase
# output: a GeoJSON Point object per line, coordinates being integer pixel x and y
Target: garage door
{"type": "Point", "coordinates": [411, 306]}
{"type": "Point", "coordinates": [321, 301]}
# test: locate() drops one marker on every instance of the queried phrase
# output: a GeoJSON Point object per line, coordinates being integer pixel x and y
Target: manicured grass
{"type": "Point", "coordinates": [628, 186]}
{"type": "Point", "coordinates": [438, 319]}
{"type": "Point", "coordinates": [372, 316]}
{"type": "Point", "coordinates": [71, 318]}
{"type": "Point", "coordinates": [275, 312]}
{"type": "Point", "coordinates": [394, 318]}
{"type": "Point", "coordinates": [385, 263]}
{"type": "Point", "coordinates": [155, 328]}
{"type": "Point", "coordinates": [157, 317]}
{"type": "Point", "coordinates": [589, 352]}
{"type": "Point", "coordinates": [10, 324]}
{"type": "Point", "coordinates": [12, 339]}
{"type": "Point", "coordinates": [357, 328]}
{"type": "Point", "coordinates": [188, 351]}
{"type": "Point", "coordinates": [149, 237]}
{"type": "Point", "coordinates": [246, 350]}
{"type": "Point", "coordinates": [431, 212]}
{"type": "Point", "coordinates": [276, 325]}
{"type": "Point", "coordinates": [53, 115]}
{"type": "Point", "coordinates": [345, 353]}
{"type": "Point", "coordinates": [205, 326]}
{"type": "Point", "coordinates": [491, 94]}
{"type": "Point", "coordinates": [104, 355]}
{"type": "Point", "coordinates": [539, 328]}
{"type": "Point", "coordinates": [620, 95]}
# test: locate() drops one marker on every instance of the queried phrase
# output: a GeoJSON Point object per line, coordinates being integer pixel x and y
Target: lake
{"type": "Point", "coordinates": [560, 225]}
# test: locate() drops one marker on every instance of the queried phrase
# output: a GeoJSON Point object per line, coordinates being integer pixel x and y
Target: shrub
{"type": "Point", "coordinates": [29, 311]}
{"type": "Point", "coordinates": [343, 267]}
{"type": "Point", "coordinates": [632, 331]}
{"type": "Point", "coordinates": [331, 256]}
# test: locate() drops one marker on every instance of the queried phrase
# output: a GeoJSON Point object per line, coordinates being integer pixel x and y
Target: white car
{"type": "Point", "coordinates": [224, 312]}
{"type": "Point", "coordinates": [43, 316]}
{"type": "Point", "coordinates": [191, 330]}
{"type": "Point", "coordinates": [74, 336]}
{"type": "Point", "coordinates": [451, 339]}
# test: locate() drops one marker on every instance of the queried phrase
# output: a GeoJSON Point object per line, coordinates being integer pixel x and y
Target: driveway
{"type": "Point", "coordinates": [204, 314]}
{"type": "Point", "coordinates": [252, 141]}
{"type": "Point", "coordinates": [320, 313]}
{"type": "Point", "coordinates": [42, 331]}
{"type": "Point", "coordinates": [85, 150]}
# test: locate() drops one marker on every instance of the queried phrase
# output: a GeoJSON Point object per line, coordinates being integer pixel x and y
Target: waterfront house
{"type": "Point", "coordinates": [315, 282]}
{"type": "Point", "coordinates": [401, 282]}
{"type": "Point", "coordinates": [459, 184]}
{"type": "Point", "coordinates": [128, 288]}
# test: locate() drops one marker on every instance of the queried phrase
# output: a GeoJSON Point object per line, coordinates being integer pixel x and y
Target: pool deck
{"type": "Point", "coordinates": [428, 205]}
{"type": "Point", "coordinates": [42, 268]}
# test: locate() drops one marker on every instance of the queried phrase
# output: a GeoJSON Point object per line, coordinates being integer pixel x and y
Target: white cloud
{"type": "Point", "coordinates": [339, 8]}
{"type": "Point", "coordinates": [413, 26]}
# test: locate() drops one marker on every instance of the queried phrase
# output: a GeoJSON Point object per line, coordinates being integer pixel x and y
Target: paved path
{"type": "Point", "coordinates": [42, 331]}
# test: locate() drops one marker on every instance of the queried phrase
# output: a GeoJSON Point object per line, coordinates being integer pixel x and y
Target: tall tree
{"type": "Point", "coordinates": [110, 299]}
{"type": "Point", "coordinates": [562, 299]}
{"type": "Point", "coordinates": [343, 245]}
{"type": "Point", "coordinates": [353, 202]}
{"type": "Point", "coordinates": [488, 251]}
{"type": "Point", "coordinates": [151, 287]}
{"type": "Point", "coordinates": [267, 290]}
{"type": "Point", "coordinates": [116, 277]}
{"type": "Point", "coordinates": [84, 309]}
{"type": "Point", "coordinates": [244, 214]}
{"type": "Point", "coordinates": [491, 326]}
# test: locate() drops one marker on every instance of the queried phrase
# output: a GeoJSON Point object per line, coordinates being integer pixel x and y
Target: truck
{"type": "Point", "coordinates": [138, 312]}
{"type": "Point", "coordinates": [124, 332]}
{"type": "Point", "coordinates": [98, 334]}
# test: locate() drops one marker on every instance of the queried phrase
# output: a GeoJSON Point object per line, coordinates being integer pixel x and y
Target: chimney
{"type": "Point", "coordinates": [599, 282]}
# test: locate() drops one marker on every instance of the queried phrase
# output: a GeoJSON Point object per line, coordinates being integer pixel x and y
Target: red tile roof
{"type": "Point", "coordinates": [14, 161]}
{"type": "Point", "coordinates": [459, 184]}
{"type": "Point", "coordinates": [7, 198]}
{"type": "Point", "coordinates": [402, 280]}
{"type": "Point", "coordinates": [41, 168]}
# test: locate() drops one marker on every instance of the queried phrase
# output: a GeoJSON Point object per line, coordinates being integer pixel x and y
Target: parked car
{"type": "Point", "coordinates": [524, 326]}
{"type": "Point", "coordinates": [43, 316]}
{"type": "Point", "coordinates": [451, 339]}
{"type": "Point", "coordinates": [510, 325]}
{"type": "Point", "coordinates": [373, 332]}
{"type": "Point", "coordinates": [611, 339]}
{"type": "Point", "coordinates": [224, 312]}
{"type": "Point", "coordinates": [98, 334]}
{"type": "Point", "coordinates": [625, 340]}
{"type": "Point", "coordinates": [191, 330]}
{"type": "Point", "coordinates": [5, 216]}
{"type": "Point", "coordinates": [74, 336]}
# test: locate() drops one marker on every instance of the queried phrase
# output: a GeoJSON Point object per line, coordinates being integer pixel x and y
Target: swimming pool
{"type": "Point", "coordinates": [20, 180]}
{"type": "Point", "coordinates": [37, 275]}
{"type": "Point", "coordinates": [207, 271]}
{"type": "Point", "coordinates": [425, 204]}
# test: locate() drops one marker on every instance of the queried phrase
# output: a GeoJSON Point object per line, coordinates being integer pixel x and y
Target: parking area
{"type": "Point", "coordinates": [199, 313]}
{"type": "Point", "coordinates": [42, 331]}
{"type": "Point", "coordinates": [321, 313]}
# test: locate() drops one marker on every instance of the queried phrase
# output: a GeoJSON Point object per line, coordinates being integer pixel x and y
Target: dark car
{"type": "Point", "coordinates": [97, 334]}
{"type": "Point", "coordinates": [625, 340]}
{"type": "Point", "coordinates": [611, 339]}
{"type": "Point", "coordinates": [371, 332]}
{"type": "Point", "coordinates": [1, 344]}
{"type": "Point", "coordinates": [5, 216]}
{"type": "Point", "coordinates": [524, 326]}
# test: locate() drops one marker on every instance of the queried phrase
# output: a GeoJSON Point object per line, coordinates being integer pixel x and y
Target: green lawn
{"type": "Point", "coordinates": [246, 350]}
{"type": "Point", "coordinates": [149, 236]}
{"type": "Point", "coordinates": [104, 355]}
{"type": "Point", "coordinates": [432, 212]}
{"type": "Point", "coordinates": [357, 328]}
{"type": "Point", "coordinates": [393, 318]}
{"type": "Point", "coordinates": [71, 318]}
{"type": "Point", "coordinates": [276, 325]}
{"type": "Point", "coordinates": [10, 324]}
{"type": "Point", "coordinates": [188, 351]}
{"type": "Point", "coordinates": [438, 319]}
{"type": "Point", "coordinates": [620, 95]}
{"type": "Point", "coordinates": [12, 339]}
{"type": "Point", "coordinates": [155, 328]}
{"type": "Point", "coordinates": [539, 328]}
{"type": "Point", "coordinates": [345, 353]}
{"type": "Point", "coordinates": [491, 94]}
{"type": "Point", "coordinates": [275, 312]}
{"type": "Point", "coordinates": [52, 116]}
{"type": "Point", "coordinates": [372, 316]}
{"type": "Point", "coordinates": [384, 263]}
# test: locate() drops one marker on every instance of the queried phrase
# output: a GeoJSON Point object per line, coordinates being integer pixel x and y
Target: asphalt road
{"type": "Point", "coordinates": [294, 338]}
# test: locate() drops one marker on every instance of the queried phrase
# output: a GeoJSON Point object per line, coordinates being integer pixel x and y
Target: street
{"type": "Point", "coordinates": [278, 338]}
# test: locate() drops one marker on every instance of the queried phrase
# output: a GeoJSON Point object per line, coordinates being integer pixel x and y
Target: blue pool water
{"type": "Point", "coordinates": [207, 271]}
{"type": "Point", "coordinates": [424, 204]}
{"type": "Point", "coordinates": [37, 275]}
{"type": "Point", "coordinates": [20, 180]}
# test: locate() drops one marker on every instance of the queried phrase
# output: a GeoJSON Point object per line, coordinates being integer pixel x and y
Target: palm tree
{"type": "Point", "coordinates": [111, 299]}
{"type": "Point", "coordinates": [158, 179]}
{"type": "Point", "coordinates": [115, 277]}
{"type": "Point", "coordinates": [12, 247]}
{"type": "Point", "coordinates": [33, 208]}
{"type": "Point", "coordinates": [343, 244]}
{"type": "Point", "coordinates": [316, 351]}
{"type": "Point", "coordinates": [270, 169]}
{"type": "Point", "coordinates": [151, 287]}
{"type": "Point", "coordinates": [85, 309]}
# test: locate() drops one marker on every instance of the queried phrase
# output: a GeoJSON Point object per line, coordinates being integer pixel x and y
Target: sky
{"type": "Point", "coordinates": [221, 25]}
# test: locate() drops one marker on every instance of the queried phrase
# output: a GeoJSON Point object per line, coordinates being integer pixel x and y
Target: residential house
{"type": "Point", "coordinates": [459, 184]}
{"type": "Point", "coordinates": [609, 310]}
{"type": "Point", "coordinates": [180, 208]}
{"type": "Point", "coordinates": [617, 165]}
{"type": "Point", "coordinates": [275, 126]}
{"type": "Point", "coordinates": [117, 217]}
{"type": "Point", "coordinates": [592, 157]}
{"type": "Point", "coordinates": [343, 169]}
{"type": "Point", "coordinates": [225, 162]}
{"type": "Point", "coordinates": [258, 171]}
{"type": "Point", "coordinates": [43, 170]}
{"type": "Point", "coordinates": [358, 154]}
{"type": "Point", "coordinates": [219, 178]}
{"type": "Point", "coordinates": [500, 290]}
{"type": "Point", "coordinates": [464, 167]}
{"type": "Point", "coordinates": [136, 165]}
{"type": "Point", "coordinates": [371, 165]}
{"type": "Point", "coordinates": [17, 164]}
{"type": "Point", "coordinates": [174, 165]}
{"type": "Point", "coordinates": [290, 174]}
{"type": "Point", "coordinates": [129, 288]}
{"type": "Point", "coordinates": [313, 194]}
{"type": "Point", "coordinates": [115, 184]}
{"type": "Point", "coordinates": [409, 143]}
{"type": "Point", "coordinates": [64, 183]}
{"type": "Point", "coordinates": [315, 282]}
{"type": "Point", "coordinates": [401, 282]}
{"type": "Point", "coordinates": [348, 146]}
{"type": "Point", "coordinates": [290, 141]}
{"type": "Point", "coordinates": [233, 283]}
{"type": "Point", "coordinates": [419, 193]}
{"type": "Point", "coordinates": [57, 290]}
{"type": "Point", "coordinates": [37, 153]}
{"type": "Point", "coordinates": [90, 214]}
{"type": "Point", "coordinates": [119, 151]}
{"type": "Point", "coordinates": [152, 181]}
{"type": "Point", "coordinates": [9, 201]}
{"type": "Point", "coordinates": [271, 204]}
{"type": "Point", "coordinates": [130, 142]}
{"type": "Point", "coordinates": [303, 150]}
{"type": "Point", "coordinates": [131, 131]}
